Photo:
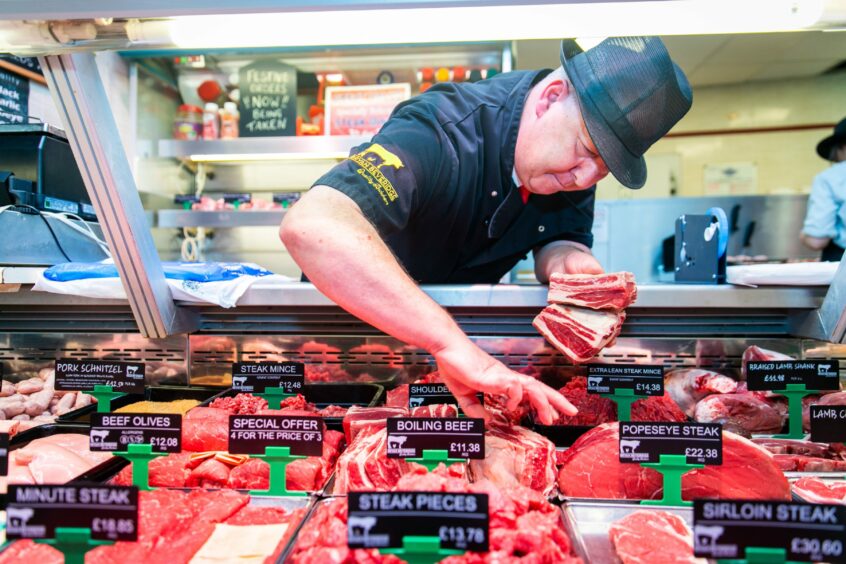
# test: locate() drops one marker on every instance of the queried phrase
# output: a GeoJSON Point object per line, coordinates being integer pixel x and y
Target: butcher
{"type": "Point", "coordinates": [466, 179]}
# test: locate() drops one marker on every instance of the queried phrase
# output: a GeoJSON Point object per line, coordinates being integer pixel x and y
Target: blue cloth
{"type": "Point", "coordinates": [193, 271]}
{"type": "Point", "coordinates": [826, 216]}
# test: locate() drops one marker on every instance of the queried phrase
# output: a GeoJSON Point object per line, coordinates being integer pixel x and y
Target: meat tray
{"type": "Point", "coordinates": [153, 393]}
{"type": "Point", "coordinates": [588, 524]}
{"type": "Point", "coordinates": [324, 395]}
{"type": "Point", "coordinates": [290, 548]}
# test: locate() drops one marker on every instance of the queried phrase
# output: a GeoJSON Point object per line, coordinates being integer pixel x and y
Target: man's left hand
{"type": "Point", "coordinates": [579, 262]}
{"type": "Point", "coordinates": [564, 257]}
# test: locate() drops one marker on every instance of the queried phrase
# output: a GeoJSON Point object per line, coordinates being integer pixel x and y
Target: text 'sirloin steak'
{"type": "Point", "coordinates": [653, 537]}
{"type": "Point", "coordinates": [687, 386]}
{"type": "Point", "coordinates": [578, 333]}
{"type": "Point", "coordinates": [603, 291]}
{"type": "Point", "coordinates": [591, 468]}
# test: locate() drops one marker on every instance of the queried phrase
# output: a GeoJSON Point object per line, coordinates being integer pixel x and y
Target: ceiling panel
{"type": "Point", "coordinates": [690, 51]}
{"type": "Point", "coordinates": [792, 69]}
{"type": "Point", "coordinates": [754, 48]}
{"type": "Point", "coordinates": [712, 74]}
{"type": "Point", "coordinates": [819, 45]}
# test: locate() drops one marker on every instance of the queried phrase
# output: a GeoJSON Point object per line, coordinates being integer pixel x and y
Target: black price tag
{"type": "Point", "coordinates": [115, 431]}
{"type": "Point", "coordinates": [809, 532]}
{"type": "Point", "coordinates": [700, 443]}
{"type": "Point", "coordinates": [645, 380]}
{"type": "Point", "coordinates": [4, 454]}
{"type": "Point", "coordinates": [111, 512]}
{"type": "Point", "coordinates": [382, 519]}
{"type": "Point", "coordinates": [828, 423]}
{"type": "Point", "coordinates": [776, 374]}
{"type": "Point", "coordinates": [186, 198]}
{"type": "Point", "coordinates": [251, 434]}
{"type": "Point", "coordinates": [255, 377]}
{"type": "Point", "coordinates": [83, 375]}
{"type": "Point", "coordinates": [461, 437]}
{"type": "Point", "coordinates": [237, 197]}
{"type": "Point", "coordinates": [434, 394]}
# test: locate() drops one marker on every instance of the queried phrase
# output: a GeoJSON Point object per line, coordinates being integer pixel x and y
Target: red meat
{"type": "Point", "coordinates": [652, 537]}
{"type": "Point", "coordinates": [209, 474]}
{"type": "Point", "coordinates": [577, 333]}
{"type": "Point", "coordinates": [616, 290]}
{"type": "Point", "coordinates": [595, 409]}
{"type": "Point", "coordinates": [591, 468]}
{"type": "Point", "coordinates": [240, 404]}
{"type": "Point", "coordinates": [205, 428]}
{"type": "Point", "coordinates": [821, 491]}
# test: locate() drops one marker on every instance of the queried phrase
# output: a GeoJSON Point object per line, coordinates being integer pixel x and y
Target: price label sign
{"type": "Point", "coordinates": [808, 532]}
{"type": "Point", "coordinates": [4, 454]}
{"type": "Point", "coordinates": [255, 377]}
{"type": "Point", "coordinates": [116, 431]}
{"type": "Point", "coordinates": [252, 434]}
{"type": "Point", "coordinates": [700, 443]}
{"type": "Point", "coordinates": [461, 437]}
{"type": "Point", "coordinates": [382, 519]}
{"type": "Point", "coordinates": [645, 380]}
{"type": "Point", "coordinates": [771, 375]}
{"type": "Point", "coordinates": [433, 394]}
{"type": "Point", "coordinates": [83, 375]}
{"type": "Point", "coordinates": [111, 512]}
{"type": "Point", "coordinates": [828, 423]}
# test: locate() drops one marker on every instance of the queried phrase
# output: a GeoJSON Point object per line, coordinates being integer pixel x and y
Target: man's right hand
{"type": "Point", "coordinates": [466, 369]}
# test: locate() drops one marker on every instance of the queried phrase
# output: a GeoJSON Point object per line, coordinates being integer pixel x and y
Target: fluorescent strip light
{"type": "Point", "coordinates": [304, 156]}
{"type": "Point", "coordinates": [493, 23]}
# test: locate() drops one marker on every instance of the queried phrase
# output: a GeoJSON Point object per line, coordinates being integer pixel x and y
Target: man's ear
{"type": "Point", "coordinates": [553, 92]}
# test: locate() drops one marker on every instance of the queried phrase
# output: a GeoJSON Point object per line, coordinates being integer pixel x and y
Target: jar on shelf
{"type": "Point", "coordinates": [188, 123]}
{"type": "Point", "coordinates": [211, 121]}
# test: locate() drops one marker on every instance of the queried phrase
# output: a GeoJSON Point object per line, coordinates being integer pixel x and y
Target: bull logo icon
{"type": "Point", "coordinates": [707, 535]}
{"type": "Point", "coordinates": [594, 381]}
{"type": "Point", "coordinates": [628, 446]}
{"type": "Point", "coordinates": [359, 527]}
{"type": "Point", "coordinates": [131, 370]}
{"type": "Point", "coordinates": [823, 368]}
{"type": "Point", "coordinates": [239, 381]}
{"type": "Point", "coordinates": [415, 402]}
{"type": "Point", "coordinates": [18, 517]}
{"type": "Point", "coordinates": [380, 156]}
{"type": "Point", "coordinates": [98, 436]}
{"type": "Point", "coordinates": [395, 442]}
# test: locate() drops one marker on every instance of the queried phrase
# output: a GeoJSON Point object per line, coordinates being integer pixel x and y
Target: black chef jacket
{"type": "Point", "coordinates": [436, 182]}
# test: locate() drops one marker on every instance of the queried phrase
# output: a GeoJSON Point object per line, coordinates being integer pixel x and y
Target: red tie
{"type": "Point", "coordinates": [524, 195]}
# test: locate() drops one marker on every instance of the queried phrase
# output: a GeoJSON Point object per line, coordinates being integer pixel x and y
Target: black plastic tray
{"type": "Point", "coordinates": [153, 393]}
{"type": "Point", "coordinates": [99, 473]}
{"type": "Point", "coordinates": [324, 395]}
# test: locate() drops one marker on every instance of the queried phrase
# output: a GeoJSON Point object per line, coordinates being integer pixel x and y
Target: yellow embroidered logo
{"type": "Point", "coordinates": [371, 160]}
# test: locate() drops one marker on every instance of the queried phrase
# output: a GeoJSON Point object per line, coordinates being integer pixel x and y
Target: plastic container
{"type": "Point", "coordinates": [211, 121]}
{"type": "Point", "coordinates": [152, 393]}
{"type": "Point", "coordinates": [188, 123]}
{"type": "Point", "coordinates": [229, 121]}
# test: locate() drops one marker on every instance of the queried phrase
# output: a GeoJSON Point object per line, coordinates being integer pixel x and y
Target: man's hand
{"type": "Point", "coordinates": [467, 369]}
{"type": "Point", "coordinates": [566, 257]}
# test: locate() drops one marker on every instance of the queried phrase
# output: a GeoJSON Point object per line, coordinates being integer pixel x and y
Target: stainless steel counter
{"type": "Point", "coordinates": [653, 296]}
{"type": "Point", "coordinates": [657, 296]}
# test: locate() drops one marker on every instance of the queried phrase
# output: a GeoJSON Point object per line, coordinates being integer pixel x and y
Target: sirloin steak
{"type": "Point", "coordinates": [653, 537]}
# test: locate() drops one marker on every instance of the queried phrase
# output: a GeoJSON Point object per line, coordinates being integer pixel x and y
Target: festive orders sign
{"type": "Point", "coordinates": [361, 110]}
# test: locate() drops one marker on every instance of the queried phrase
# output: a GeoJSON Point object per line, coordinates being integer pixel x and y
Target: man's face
{"type": "Point", "coordinates": [554, 151]}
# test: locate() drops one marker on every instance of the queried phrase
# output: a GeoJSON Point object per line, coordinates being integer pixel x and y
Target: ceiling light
{"type": "Point", "coordinates": [493, 23]}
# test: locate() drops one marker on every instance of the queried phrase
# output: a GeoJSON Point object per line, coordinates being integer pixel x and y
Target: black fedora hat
{"type": "Point", "coordinates": [631, 94]}
{"type": "Point", "coordinates": [837, 138]}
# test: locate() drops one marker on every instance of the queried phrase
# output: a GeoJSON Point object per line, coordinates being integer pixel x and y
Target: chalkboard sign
{"type": "Point", "coordinates": [14, 98]}
{"type": "Point", "coordinates": [27, 63]}
{"type": "Point", "coordinates": [268, 103]}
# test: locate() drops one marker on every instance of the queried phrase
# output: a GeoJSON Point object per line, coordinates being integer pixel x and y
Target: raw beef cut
{"type": "Point", "coordinates": [205, 428]}
{"type": "Point", "coordinates": [591, 468]}
{"type": "Point", "coordinates": [653, 537]}
{"type": "Point", "coordinates": [522, 524]}
{"type": "Point", "coordinates": [55, 459]}
{"type": "Point", "coordinates": [595, 409]}
{"type": "Point", "coordinates": [358, 418]}
{"type": "Point", "coordinates": [834, 451]}
{"type": "Point", "coordinates": [800, 463]}
{"type": "Point", "coordinates": [687, 386]}
{"type": "Point", "coordinates": [240, 404]}
{"type": "Point", "coordinates": [743, 413]}
{"type": "Point", "coordinates": [515, 454]}
{"type": "Point", "coordinates": [821, 491]}
{"type": "Point", "coordinates": [834, 398]}
{"type": "Point", "coordinates": [615, 291]}
{"type": "Point", "coordinates": [578, 333]}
